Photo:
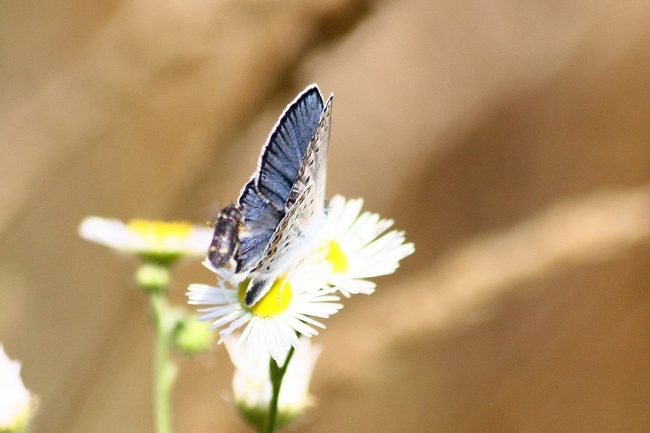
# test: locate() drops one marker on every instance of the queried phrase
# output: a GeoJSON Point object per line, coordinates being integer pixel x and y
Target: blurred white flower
{"type": "Point", "coordinates": [272, 323]}
{"type": "Point", "coordinates": [16, 403]}
{"type": "Point", "coordinates": [354, 248]}
{"type": "Point", "coordinates": [252, 388]}
{"type": "Point", "coordinates": [158, 241]}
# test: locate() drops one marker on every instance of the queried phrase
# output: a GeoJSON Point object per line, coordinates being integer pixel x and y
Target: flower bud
{"type": "Point", "coordinates": [152, 278]}
{"type": "Point", "coordinates": [191, 337]}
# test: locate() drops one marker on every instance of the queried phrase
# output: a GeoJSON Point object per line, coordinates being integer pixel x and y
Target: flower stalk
{"type": "Point", "coordinates": [165, 369]}
{"type": "Point", "coordinates": [276, 374]}
{"type": "Point", "coordinates": [159, 244]}
{"type": "Point", "coordinates": [154, 279]}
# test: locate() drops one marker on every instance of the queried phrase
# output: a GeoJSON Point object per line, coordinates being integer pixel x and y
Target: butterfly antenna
{"type": "Point", "coordinates": [225, 295]}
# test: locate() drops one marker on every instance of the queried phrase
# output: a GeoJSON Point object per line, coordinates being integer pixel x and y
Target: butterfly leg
{"type": "Point", "coordinates": [257, 288]}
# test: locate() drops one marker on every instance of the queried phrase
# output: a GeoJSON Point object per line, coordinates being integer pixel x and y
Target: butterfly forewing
{"type": "Point", "coordinates": [282, 157]}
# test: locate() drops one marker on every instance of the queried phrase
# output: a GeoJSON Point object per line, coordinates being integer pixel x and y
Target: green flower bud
{"type": "Point", "coordinates": [191, 337]}
{"type": "Point", "coordinates": [152, 278]}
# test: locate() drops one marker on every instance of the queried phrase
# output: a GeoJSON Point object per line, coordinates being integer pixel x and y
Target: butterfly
{"type": "Point", "coordinates": [282, 207]}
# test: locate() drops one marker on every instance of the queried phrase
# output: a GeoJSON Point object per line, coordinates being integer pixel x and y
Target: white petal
{"type": "Point", "coordinates": [109, 232]}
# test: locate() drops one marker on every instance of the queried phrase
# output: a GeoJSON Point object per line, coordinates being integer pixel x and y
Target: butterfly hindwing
{"type": "Point", "coordinates": [289, 233]}
{"type": "Point", "coordinates": [260, 222]}
{"type": "Point", "coordinates": [290, 230]}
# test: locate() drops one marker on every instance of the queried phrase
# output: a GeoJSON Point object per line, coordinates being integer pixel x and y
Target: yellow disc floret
{"type": "Point", "coordinates": [275, 302]}
{"type": "Point", "coordinates": [160, 242]}
{"type": "Point", "coordinates": [160, 235]}
{"type": "Point", "coordinates": [337, 257]}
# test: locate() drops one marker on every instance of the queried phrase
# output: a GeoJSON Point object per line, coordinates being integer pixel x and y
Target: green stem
{"type": "Point", "coordinates": [277, 374]}
{"type": "Point", "coordinates": [164, 368]}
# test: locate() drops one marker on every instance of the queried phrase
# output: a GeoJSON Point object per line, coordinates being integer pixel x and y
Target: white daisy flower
{"type": "Point", "coordinates": [356, 249]}
{"type": "Point", "coordinates": [157, 241]}
{"type": "Point", "coordinates": [16, 402]}
{"type": "Point", "coordinates": [252, 388]}
{"type": "Point", "coordinates": [272, 323]}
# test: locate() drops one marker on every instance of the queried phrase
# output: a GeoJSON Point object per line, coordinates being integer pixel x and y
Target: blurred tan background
{"type": "Point", "coordinates": [511, 140]}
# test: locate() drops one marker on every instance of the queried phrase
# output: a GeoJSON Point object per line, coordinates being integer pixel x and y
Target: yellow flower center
{"type": "Point", "coordinates": [160, 235]}
{"type": "Point", "coordinates": [275, 302]}
{"type": "Point", "coordinates": [337, 257]}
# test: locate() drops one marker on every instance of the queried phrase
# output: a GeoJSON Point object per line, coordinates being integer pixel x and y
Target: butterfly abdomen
{"type": "Point", "coordinates": [225, 242]}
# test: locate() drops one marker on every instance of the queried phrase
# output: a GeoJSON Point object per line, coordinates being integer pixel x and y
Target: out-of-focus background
{"type": "Point", "coordinates": [511, 140]}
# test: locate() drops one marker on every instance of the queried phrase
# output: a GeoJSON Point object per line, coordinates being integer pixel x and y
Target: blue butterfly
{"type": "Point", "coordinates": [282, 207]}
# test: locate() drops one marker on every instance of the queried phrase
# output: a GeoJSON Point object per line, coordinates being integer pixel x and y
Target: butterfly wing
{"type": "Point", "coordinates": [305, 204]}
{"type": "Point", "coordinates": [282, 158]}
{"type": "Point", "coordinates": [264, 198]}
{"type": "Point", "coordinates": [288, 236]}
{"type": "Point", "coordinates": [260, 221]}
{"type": "Point", "coordinates": [303, 216]}
{"type": "Point", "coordinates": [313, 170]}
